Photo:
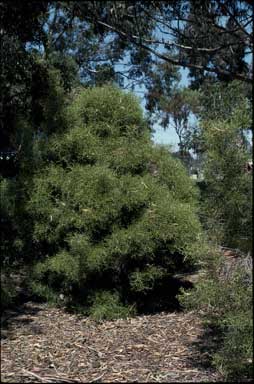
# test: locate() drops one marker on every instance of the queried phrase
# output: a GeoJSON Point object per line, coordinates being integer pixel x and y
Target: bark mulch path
{"type": "Point", "coordinates": [48, 345]}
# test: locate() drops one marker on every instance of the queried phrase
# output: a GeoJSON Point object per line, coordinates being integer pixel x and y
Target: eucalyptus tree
{"type": "Point", "coordinates": [208, 37]}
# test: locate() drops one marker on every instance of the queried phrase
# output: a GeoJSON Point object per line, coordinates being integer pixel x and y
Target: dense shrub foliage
{"type": "Point", "coordinates": [225, 300]}
{"type": "Point", "coordinates": [113, 215]}
{"type": "Point", "coordinates": [227, 207]}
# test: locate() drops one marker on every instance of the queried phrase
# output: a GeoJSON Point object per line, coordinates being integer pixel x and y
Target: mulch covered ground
{"type": "Point", "coordinates": [45, 344]}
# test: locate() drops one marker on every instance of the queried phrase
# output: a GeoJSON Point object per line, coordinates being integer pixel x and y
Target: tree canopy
{"type": "Point", "coordinates": [210, 37]}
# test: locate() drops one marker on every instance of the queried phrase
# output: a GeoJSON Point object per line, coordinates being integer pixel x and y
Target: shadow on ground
{"type": "Point", "coordinates": [19, 312]}
{"type": "Point", "coordinates": [205, 347]}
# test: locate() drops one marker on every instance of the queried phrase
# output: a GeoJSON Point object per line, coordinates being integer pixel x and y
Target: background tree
{"type": "Point", "coordinates": [210, 37]}
{"type": "Point", "coordinates": [176, 111]}
{"type": "Point", "coordinates": [20, 24]}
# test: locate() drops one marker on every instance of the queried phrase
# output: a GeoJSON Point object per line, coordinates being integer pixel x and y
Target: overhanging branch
{"type": "Point", "coordinates": [182, 63]}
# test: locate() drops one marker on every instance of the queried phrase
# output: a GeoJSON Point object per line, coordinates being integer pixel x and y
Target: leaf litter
{"type": "Point", "coordinates": [44, 344]}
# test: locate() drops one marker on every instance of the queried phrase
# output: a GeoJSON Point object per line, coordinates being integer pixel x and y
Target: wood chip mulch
{"type": "Point", "coordinates": [43, 344]}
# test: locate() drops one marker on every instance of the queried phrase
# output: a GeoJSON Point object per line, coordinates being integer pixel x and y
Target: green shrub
{"type": "Point", "coordinates": [143, 281]}
{"type": "Point", "coordinates": [111, 211]}
{"type": "Point", "coordinates": [225, 302]}
{"type": "Point", "coordinates": [109, 110]}
{"type": "Point", "coordinates": [107, 305]}
{"type": "Point", "coordinates": [227, 205]}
